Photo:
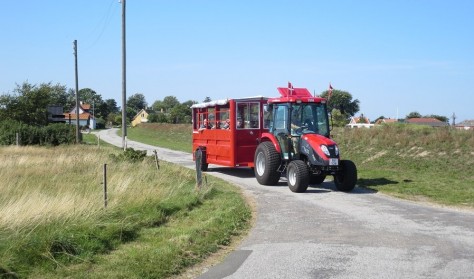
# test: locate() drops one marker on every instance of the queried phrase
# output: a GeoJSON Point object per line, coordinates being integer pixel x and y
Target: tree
{"type": "Point", "coordinates": [107, 107]}
{"type": "Point", "coordinates": [158, 106]}
{"type": "Point", "coordinates": [136, 102]}
{"type": "Point", "coordinates": [338, 119]}
{"type": "Point", "coordinates": [207, 99]}
{"type": "Point", "coordinates": [413, 114]}
{"type": "Point", "coordinates": [341, 106]}
{"type": "Point", "coordinates": [189, 103]}
{"type": "Point", "coordinates": [90, 97]}
{"type": "Point", "coordinates": [131, 112]}
{"type": "Point", "coordinates": [342, 101]}
{"type": "Point", "coordinates": [180, 114]}
{"type": "Point", "coordinates": [31, 102]}
{"type": "Point", "coordinates": [170, 102]}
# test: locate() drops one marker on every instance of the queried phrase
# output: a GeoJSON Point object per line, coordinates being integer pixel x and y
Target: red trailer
{"type": "Point", "coordinates": [232, 132]}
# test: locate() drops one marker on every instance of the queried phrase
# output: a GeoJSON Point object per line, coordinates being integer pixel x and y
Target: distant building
{"type": "Point", "coordinates": [55, 114]}
{"type": "Point", "coordinates": [465, 125]}
{"type": "Point", "coordinates": [358, 122]}
{"type": "Point", "coordinates": [433, 122]}
{"type": "Point", "coordinates": [386, 121]}
{"type": "Point", "coordinates": [85, 118]}
{"type": "Point", "coordinates": [140, 117]}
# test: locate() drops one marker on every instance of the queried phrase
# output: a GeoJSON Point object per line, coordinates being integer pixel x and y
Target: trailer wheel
{"type": "Point", "coordinates": [266, 161]}
{"type": "Point", "coordinates": [298, 176]}
{"type": "Point", "coordinates": [317, 179]}
{"type": "Point", "coordinates": [346, 179]}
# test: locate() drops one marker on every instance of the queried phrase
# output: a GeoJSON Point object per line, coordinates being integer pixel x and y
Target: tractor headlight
{"type": "Point", "coordinates": [325, 150]}
{"type": "Point", "coordinates": [336, 149]}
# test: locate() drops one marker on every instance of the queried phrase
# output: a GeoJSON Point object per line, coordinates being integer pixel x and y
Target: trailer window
{"type": "Point", "coordinates": [223, 114]}
{"type": "Point", "coordinates": [248, 116]}
{"type": "Point", "coordinates": [267, 117]}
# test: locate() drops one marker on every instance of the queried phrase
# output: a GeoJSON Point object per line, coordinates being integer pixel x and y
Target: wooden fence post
{"type": "Point", "coordinates": [198, 158]}
{"type": "Point", "coordinates": [157, 162]}
{"type": "Point", "coordinates": [105, 185]}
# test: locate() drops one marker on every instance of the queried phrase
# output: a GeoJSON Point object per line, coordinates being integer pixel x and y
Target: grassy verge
{"type": "Point", "coordinates": [53, 223]}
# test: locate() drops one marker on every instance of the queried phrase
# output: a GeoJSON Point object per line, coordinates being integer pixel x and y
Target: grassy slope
{"type": "Point", "coordinates": [172, 136]}
{"type": "Point", "coordinates": [412, 162]}
{"type": "Point", "coordinates": [53, 224]}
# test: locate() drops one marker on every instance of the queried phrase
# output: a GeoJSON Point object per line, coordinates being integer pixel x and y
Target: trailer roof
{"type": "Point", "coordinates": [226, 101]}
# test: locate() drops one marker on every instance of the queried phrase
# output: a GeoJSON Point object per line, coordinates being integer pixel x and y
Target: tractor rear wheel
{"type": "Point", "coordinates": [346, 178]}
{"type": "Point", "coordinates": [266, 161]}
{"type": "Point", "coordinates": [298, 176]}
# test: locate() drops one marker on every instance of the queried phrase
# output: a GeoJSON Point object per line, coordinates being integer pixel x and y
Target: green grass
{"type": "Point", "coordinates": [413, 162]}
{"type": "Point", "coordinates": [53, 223]}
{"type": "Point", "coordinates": [172, 136]}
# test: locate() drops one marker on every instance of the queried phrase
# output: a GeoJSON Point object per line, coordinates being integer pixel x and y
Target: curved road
{"type": "Point", "coordinates": [328, 234]}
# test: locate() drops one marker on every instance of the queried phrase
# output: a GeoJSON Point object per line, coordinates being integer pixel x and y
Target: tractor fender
{"type": "Point", "coordinates": [271, 137]}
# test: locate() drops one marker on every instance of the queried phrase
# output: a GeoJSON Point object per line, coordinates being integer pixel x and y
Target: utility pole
{"type": "Point", "coordinates": [124, 82]}
{"type": "Point", "coordinates": [78, 140]}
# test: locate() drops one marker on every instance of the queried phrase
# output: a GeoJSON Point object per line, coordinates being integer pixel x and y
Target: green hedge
{"type": "Point", "coordinates": [53, 134]}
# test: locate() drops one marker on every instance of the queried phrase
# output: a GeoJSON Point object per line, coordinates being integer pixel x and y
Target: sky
{"type": "Point", "coordinates": [395, 57]}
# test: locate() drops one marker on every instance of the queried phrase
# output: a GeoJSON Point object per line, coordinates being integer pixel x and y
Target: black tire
{"type": "Point", "coordinates": [317, 179]}
{"type": "Point", "coordinates": [266, 161]}
{"type": "Point", "coordinates": [346, 179]}
{"type": "Point", "coordinates": [298, 176]}
{"type": "Point", "coordinates": [204, 166]}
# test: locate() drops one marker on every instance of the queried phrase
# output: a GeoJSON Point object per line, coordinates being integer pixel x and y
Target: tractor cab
{"type": "Point", "coordinates": [295, 114]}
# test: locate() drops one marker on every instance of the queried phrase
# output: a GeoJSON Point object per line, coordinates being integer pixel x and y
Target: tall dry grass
{"type": "Point", "coordinates": [53, 223]}
{"type": "Point", "coordinates": [40, 184]}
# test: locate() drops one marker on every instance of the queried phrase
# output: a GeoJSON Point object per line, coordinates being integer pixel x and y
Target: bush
{"type": "Point", "coordinates": [129, 155]}
{"type": "Point", "coordinates": [53, 134]}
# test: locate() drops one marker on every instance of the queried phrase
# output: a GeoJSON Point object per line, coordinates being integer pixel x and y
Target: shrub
{"type": "Point", "coordinates": [53, 134]}
{"type": "Point", "coordinates": [129, 155]}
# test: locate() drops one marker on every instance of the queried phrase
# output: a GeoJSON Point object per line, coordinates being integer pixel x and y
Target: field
{"type": "Point", "coordinates": [412, 162]}
{"type": "Point", "coordinates": [54, 223]}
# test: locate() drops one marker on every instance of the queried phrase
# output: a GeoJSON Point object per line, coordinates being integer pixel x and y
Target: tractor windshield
{"type": "Point", "coordinates": [309, 118]}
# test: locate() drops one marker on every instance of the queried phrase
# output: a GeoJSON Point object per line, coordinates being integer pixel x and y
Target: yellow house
{"type": "Point", "coordinates": [141, 117]}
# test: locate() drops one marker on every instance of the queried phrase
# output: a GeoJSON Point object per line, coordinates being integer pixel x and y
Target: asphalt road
{"type": "Point", "coordinates": [328, 234]}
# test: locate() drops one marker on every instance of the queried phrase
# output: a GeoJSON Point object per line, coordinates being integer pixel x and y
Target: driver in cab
{"type": "Point", "coordinates": [296, 128]}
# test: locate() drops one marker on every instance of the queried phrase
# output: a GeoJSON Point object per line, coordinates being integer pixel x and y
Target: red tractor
{"type": "Point", "coordinates": [298, 143]}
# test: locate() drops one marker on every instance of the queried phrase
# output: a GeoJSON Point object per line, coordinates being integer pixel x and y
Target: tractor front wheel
{"type": "Point", "coordinates": [298, 176]}
{"type": "Point", "coordinates": [266, 161]}
{"type": "Point", "coordinates": [346, 178]}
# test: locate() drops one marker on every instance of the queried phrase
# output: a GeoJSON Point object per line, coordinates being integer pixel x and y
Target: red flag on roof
{"type": "Point", "coordinates": [330, 91]}
{"type": "Point", "coordinates": [290, 88]}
